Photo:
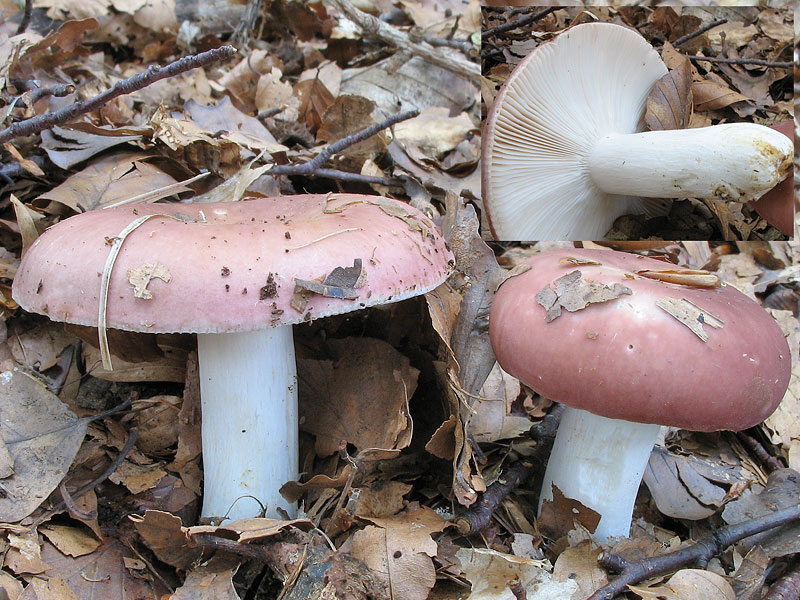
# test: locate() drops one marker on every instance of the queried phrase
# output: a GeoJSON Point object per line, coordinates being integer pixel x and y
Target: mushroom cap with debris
{"type": "Point", "coordinates": [628, 346]}
{"type": "Point", "coordinates": [591, 81]}
{"type": "Point", "coordinates": [239, 266]}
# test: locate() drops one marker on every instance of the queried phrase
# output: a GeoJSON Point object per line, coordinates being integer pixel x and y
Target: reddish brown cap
{"type": "Point", "coordinates": [233, 266]}
{"type": "Point", "coordinates": [627, 358]}
{"type": "Point", "coordinates": [777, 205]}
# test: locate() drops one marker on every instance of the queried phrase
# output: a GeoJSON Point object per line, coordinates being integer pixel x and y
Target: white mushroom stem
{"type": "Point", "coordinates": [600, 462]}
{"type": "Point", "coordinates": [738, 161]}
{"type": "Point", "coordinates": [248, 386]}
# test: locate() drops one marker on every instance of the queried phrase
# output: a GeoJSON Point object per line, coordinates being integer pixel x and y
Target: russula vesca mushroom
{"type": "Point", "coordinates": [564, 153]}
{"type": "Point", "coordinates": [237, 274]}
{"type": "Point", "coordinates": [626, 354]}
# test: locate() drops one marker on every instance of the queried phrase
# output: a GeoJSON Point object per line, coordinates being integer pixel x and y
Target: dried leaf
{"type": "Point", "coordinates": [212, 580]}
{"type": "Point", "coordinates": [566, 261]}
{"type": "Point", "coordinates": [573, 293]}
{"type": "Point", "coordinates": [690, 315]}
{"type": "Point", "coordinates": [339, 400]}
{"type": "Point", "coordinates": [43, 437]}
{"type": "Point", "coordinates": [669, 105]}
{"type": "Point", "coordinates": [140, 278]}
{"type": "Point", "coordinates": [71, 541]}
{"type": "Point", "coordinates": [689, 584]}
{"type": "Point", "coordinates": [709, 95]}
{"type": "Point", "coordinates": [690, 277]}
{"type": "Point", "coordinates": [490, 572]}
{"type": "Point", "coordinates": [71, 144]}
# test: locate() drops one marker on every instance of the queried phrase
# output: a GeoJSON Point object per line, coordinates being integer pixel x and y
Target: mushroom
{"type": "Point", "coordinates": [564, 153]}
{"type": "Point", "coordinates": [630, 343]}
{"type": "Point", "coordinates": [237, 274]}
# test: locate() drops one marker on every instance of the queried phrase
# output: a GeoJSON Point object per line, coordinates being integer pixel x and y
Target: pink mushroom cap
{"type": "Point", "coordinates": [232, 266]}
{"type": "Point", "coordinates": [629, 359]}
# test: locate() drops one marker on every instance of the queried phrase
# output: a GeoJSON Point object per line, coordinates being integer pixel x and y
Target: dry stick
{"type": "Point", "coordinates": [26, 17]}
{"type": "Point", "coordinates": [126, 449]}
{"type": "Point", "coordinates": [313, 166]}
{"type": "Point", "coordinates": [743, 61]}
{"type": "Point", "coordinates": [126, 86]}
{"type": "Point", "coordinates": [787, 587]}
{"type": "Point", "coordinates": [479, 515]}
{"type": "Point", "coordinates": [372, 26]}
{"type": "Point", "coordinates": [701, 31]}
{"type": "Point", "coordinates": [521, 22]}
{"type": "Point", "coordinates": [772, 463]}
{"type": "Point", "coordinates": [698, 553]}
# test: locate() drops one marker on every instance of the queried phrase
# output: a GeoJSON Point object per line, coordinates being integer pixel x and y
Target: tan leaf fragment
{"type": "Point", "coordinates": [690, 277]}
{"type": "Point", "coordinates": [71, 541]}
{"type": "Point", "coordinates": [690, 315]}
{"type": "Point", "coordinates": [517, 270]}
{"type": "Point", "coordinates": [574, 293]}
{"type": "Point", "coordinates": [140, 278]}
{"type": "Point", "coordinates": [689, 584]}
{"type": "Point", "coordinates": [576, 261]}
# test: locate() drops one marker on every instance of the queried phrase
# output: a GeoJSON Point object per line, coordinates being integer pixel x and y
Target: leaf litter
{"type": "Point", "coordinates": [572, 293]}
{"type": "Point", "coordinates": [341, 491]}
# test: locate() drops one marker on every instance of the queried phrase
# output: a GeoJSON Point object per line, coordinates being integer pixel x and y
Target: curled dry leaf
{"type": "Point", "coordinates": [42, 435]}
{"type": "Point", "coordinates": [690, 277]}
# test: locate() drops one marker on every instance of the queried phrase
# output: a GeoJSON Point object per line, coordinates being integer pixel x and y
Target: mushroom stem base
{"type": "Point", "coordinates": [600, 462]}
{"type": "Point", "coordinates": [248, 387]}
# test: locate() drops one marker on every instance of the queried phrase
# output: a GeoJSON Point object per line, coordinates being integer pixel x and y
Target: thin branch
{"type": "Point", "coordinates": [521, 22]}
{"type": "Point", "coordinates": [773, 463]}
{"type": "Point", "coordinates": [126, 449]}
{"type": "Point", "coordinates": [743, 61]}
{"type": "Point", "coordinates": [26, 17]}
{"type": "Point", "coordinates": [372, 26]}
{"type": "Point", "coordinates": [698, 553]}
{"type": "Point", "coordinates": [479, 515]}
{"type": "Point", "coordinates": [126, 86]}
{"type": "Point", "coordinates": [787, 587]}
{"type": "Point", "coordinates": [701, 31]}
{"type": "Point", "coordinates": [314, 164]}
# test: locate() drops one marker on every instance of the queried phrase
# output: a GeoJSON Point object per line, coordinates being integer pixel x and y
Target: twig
{"type": "Point", "coordinates": [126, 86]}
{"type": "Point", "coordinates": [518, 589]}
{"type": "Point", "coordinates": [126, 449]}
{"type": "Point", "coordinates": [313, 166]}
{"type": "Point", "coordinates": [701, 31]}
{"type": "Point", "coordinates": [479, 515]}
{"type": "Point", "coordinates": [772, 463]}
{"type": "Point", "coordinates": [699, 553]}
{"type": "Point", "coordinates": [459, 44]}
{"type": "Point", "coordinates": [26, 17]}
{"type": "Point", "coordinates": [521, 22]}
{"type": "Point", "coordinates": [357, 177]}
{"type": "Point", "coordinates": [59, 91]}
{"type": "Point", "coordinates": [787, 587]}
{"type": "Point", "coordinates": [372, 26]}
{"type": "Point", "coordinates": [743, 61]}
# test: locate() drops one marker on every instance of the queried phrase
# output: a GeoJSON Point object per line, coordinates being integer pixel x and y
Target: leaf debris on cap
{"type": "Point", "coordinates": [690, 315]}
{"type": "Point", "coordinates": [574, 293]}
{"type": "Point", "coordinates": [341, 282]}
{"type": "Point", "coordinates": [140, 278]}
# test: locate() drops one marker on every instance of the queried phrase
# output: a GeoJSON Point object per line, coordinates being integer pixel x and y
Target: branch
{"type": "Point", "coordinates": [314, 165]}
{"type": "Point", "coordinates": [521, 22]}
{"type": "Point", "coordinates": [478, 516]}
{"type": "Point", "coordinates": [743, 61]}
{"type": "Point", "coordinates": [126, 86]}
{"type": "Point", "coordinates": [788, 586]}
{"type": "Point", "coordinates": [374, 27]}
{"type": "Point", "coordinates": [26, 17]}
{"type": "Point", "coordinates": [701, 31]}
{"type": "Point", "coordinates": [699, 553]}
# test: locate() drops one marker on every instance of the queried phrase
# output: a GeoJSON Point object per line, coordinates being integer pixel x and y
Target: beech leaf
{"type": "Point", "coordinates": [669, 105]}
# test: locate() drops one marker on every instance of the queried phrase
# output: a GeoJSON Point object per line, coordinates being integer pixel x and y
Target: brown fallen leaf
{"type": "Point", "coordinates": [669, 105]}
{"type": "Point", "coordinates": [709, 95]}
{"type": "Point", "coordinates": [42, 435]}
{"type": "Point", "coordinates": [71, 541]}
{"type": "Point", "coordinates": [340, 399]}
{"type": "Point", "coordinates": [689, 584]}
